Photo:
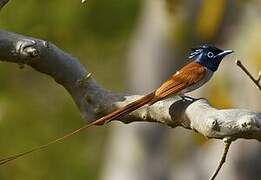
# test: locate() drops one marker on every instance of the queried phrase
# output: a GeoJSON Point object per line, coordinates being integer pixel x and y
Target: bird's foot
{"type": "Point", "coordinates": [188, 98]}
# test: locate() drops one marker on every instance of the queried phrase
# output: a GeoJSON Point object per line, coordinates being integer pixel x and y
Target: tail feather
{"type": "Point", "coordinates": [113, 115]}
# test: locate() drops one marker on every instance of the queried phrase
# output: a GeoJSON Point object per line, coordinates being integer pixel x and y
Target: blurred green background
{"type": "Point", "coordinates": [34, 109]}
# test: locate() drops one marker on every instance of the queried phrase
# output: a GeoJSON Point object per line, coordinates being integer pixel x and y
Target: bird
{"type": "Point", "coordinates": [204, 62]}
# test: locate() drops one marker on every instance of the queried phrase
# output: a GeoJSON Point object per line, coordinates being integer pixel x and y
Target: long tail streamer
{"type": "Point", "coordinates": [113, 115]}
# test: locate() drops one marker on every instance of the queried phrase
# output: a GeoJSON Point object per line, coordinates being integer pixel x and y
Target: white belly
{"type": "Point", "coordinates": [208, 75]}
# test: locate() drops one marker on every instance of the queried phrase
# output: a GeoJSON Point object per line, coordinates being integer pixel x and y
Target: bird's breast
{"type": "Point", "coordinates": [198, 84]}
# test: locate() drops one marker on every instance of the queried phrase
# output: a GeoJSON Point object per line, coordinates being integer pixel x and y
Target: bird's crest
{"type": "Point", "coordinates": [196, 51]}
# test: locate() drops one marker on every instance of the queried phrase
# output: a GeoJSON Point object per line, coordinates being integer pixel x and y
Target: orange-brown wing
{"type": "Point", "coordinates": [185, 77]}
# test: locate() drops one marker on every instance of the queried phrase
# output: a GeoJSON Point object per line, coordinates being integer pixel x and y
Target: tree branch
{"type": "Point", "coordinates": [227, 143]}
{"type": "Point", "coordinates": [3, 3]}
{"type": "Point", "coordinates": [94, 101]}
{"type": "Point", "coordinates": [256, 81]}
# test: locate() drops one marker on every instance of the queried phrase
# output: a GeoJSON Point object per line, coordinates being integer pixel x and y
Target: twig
{"type": "Point", "coordinates": [256, 81]}
{"type": "Point", "coordinates": [3, 3]}
{"type": "Point", "coordinates": [227, 143]}
{"type": "Point", "coordinates": [84, 79]}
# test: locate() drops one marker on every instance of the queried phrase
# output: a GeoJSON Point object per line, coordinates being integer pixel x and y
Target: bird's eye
{"type": "Point", "coordinates": [210, 54]}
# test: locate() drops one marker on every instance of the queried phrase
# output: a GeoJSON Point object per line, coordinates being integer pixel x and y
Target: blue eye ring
{"type": "Point", "coordinates": [210, 54]}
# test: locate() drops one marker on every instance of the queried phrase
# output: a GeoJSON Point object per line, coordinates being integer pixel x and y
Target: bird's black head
{"type": "Point", "coordinates": [209, 56]}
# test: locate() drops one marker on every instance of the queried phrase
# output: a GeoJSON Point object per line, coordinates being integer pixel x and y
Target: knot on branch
{"type": "Point", "coordinates": [26, 48]}
{"type": "Point", "coordinates": [214, 124]}
{"type": "Point", "coordinates": [249, 122]}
